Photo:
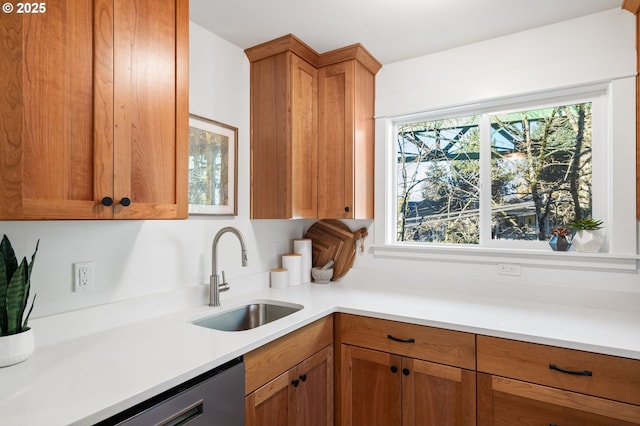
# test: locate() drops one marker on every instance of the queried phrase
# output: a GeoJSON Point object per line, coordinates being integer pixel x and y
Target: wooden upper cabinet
{"type": "Point", "coordinates": [633, 6]}
{"type": "Point", "coordinates": [94, 105]}
{"type": "Point", "coordinates": [638, 115]}
{"type": "Point", "coordinates": [311, 131]}
{"type": "Point", "coordinates": [346, 96]}
{"type": "Point", "coordinates": [283, 134]}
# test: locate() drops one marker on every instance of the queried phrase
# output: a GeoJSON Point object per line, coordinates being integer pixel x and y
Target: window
{"type": "Point", "coordinates": [496, 177]}
{"type": "Point", "coordinates": [481, 206]}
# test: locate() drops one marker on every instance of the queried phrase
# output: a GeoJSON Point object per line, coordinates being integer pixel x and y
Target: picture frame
{"type": "Point", "coordinates": [213, 167]}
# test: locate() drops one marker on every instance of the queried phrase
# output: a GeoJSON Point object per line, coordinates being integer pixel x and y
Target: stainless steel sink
{"type": "Point", "coordinates": [248, 316]}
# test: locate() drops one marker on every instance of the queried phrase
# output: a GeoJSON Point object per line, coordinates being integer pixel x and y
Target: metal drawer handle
{"type": "Point", "coordinates": [575, 373]}
{"type": "Point", "coordinates": [397, 339]}
{"type": "Point", "coordinates": [184, 416]}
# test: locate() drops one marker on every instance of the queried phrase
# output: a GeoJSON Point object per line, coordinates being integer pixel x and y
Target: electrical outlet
{"type": "Point", "coordinates": [82, 276]}
{"type": "Point", "coordinates": [509, 269]}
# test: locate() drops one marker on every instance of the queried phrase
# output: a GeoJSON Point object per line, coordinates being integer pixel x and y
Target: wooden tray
{"type": "Point", "coordinates": [332, 239]}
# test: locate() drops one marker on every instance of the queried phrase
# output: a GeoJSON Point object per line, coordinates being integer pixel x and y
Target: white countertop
{"type": "Point", "coordinates": [89, 378]}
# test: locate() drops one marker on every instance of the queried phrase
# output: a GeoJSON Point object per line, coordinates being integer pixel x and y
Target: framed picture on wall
{"type": "Point", "coordinates": [213, 163]}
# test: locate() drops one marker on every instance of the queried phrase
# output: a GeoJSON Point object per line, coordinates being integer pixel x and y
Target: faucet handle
{"type": "Point", "coordinates": [224, 285]}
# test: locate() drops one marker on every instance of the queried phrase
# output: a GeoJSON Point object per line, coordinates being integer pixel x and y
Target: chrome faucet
{"type": "Point", "coordinates": [215, 286]}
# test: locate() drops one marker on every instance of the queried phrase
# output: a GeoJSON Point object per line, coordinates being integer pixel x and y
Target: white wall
{"type": "Point", "coordinates": [594, 48]}
{"type": "Point", "coordinates": [602, 49]}
{"type": "Point", "coordinates": [139, 258]}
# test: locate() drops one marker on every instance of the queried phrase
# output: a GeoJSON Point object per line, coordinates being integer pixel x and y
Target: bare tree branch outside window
{"type": "Point", "coordinates": [540, 175]}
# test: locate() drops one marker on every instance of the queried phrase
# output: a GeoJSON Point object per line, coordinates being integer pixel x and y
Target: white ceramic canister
{"type": "Point", "coordinates": [279, 278]}
{"type": "Point", "coordinates": [303, 247]}
{"type": "Point", "coordinates": [293, 262]}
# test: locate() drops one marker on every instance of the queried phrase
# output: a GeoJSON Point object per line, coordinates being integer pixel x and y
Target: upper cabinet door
{"type": "Point", "coordinates": [336, 137]}
{"type": "Point", "coordinates": [283, 137]}
{"type": "Point", "coordinates": [304, 88]}
{"type": "Point", "coordinates": [51, 91]}
{"type": "Point", "coordinates": [346, 97]}
{"type": "Point", "coordinates": [70, 138]}
{"type": "Point", "coordinates": [151, 111]}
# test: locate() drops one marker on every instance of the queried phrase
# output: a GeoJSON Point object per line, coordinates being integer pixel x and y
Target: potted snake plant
{"type": "Point", "coordinates": [16, 338]}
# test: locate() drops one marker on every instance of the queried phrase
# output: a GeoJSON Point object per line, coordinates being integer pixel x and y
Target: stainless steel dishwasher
{"type": "Point", "coordinates": [215, 398]}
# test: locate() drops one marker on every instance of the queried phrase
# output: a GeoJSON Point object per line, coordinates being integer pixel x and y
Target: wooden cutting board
{"type": "Point", "coordinates": [332, 239]}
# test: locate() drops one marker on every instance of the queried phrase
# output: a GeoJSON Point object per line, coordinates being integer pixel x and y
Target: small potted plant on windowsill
{"type": "Point", "coordinates": [559, 241]}
{"type": "Point", "coordinates": [16, 338]}
{"type": "Point", "coordinates": [587, 237]}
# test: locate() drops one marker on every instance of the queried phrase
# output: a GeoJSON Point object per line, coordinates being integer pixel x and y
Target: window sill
{"type": "Point", "coordinates": [550, 259]}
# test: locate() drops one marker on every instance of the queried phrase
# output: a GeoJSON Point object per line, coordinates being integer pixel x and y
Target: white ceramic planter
{"type": "Point", "coordinates": [588, 241]}
{"type": "Point", "coordinates": [16, 348]}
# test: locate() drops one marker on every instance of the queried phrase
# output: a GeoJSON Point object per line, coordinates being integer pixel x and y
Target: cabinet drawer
{"type": "Point", "coordinates": [416, 341]}
{"type": "Point", "coordinates": [506, 402]}
{"type": "Point", "coordinates": [585, 372]}
{"type": "Point", "coordinates": [271, 360]}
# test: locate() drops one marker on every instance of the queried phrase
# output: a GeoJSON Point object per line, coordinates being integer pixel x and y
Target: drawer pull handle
{"type": "Point", "coordinates": [394, 369]}
{"type": "Point", "coordinates": [295, 383]}
{"type": "Point", "coordinates": [575, 373]}
{"type": "Point", "coordinates": [405, 371]}
{"type": "Point", "coordinates": [397, 339]}
{"type": "Point", "coordinates": [303, 378]}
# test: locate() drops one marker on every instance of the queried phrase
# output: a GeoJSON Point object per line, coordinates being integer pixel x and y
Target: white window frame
{"type": "Point", "coordinates": [613, 183]}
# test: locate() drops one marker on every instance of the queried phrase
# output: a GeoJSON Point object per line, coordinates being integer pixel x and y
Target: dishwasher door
{"type": "Point", "coordinates": [216, 399]}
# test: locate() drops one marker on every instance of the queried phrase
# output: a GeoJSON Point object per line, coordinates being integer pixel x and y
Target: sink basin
{"type": "Point", "coordinates": [248, 316]}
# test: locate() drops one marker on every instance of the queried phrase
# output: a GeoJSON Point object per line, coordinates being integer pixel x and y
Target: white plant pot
{"type": "Point", "coordinates": [16, 348]}
{"type": "Point", "coordinates": [588, 241]}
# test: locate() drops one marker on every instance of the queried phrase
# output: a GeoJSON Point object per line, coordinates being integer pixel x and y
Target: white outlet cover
{"type": "Point", "coordinates": [82, 276]}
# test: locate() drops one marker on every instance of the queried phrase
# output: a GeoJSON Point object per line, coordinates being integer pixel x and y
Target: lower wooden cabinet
{"type": "Point", "coordinates": [290, 380]}
{"type": "Point", "coordinates": [370, 389]}
{"type": "Point", "coordinates": [503, 401]}
{"type": "Point", "coordinates": [532, 384]}
{"type": "Point", "coordinates": [302, 395]}
{"type": "Point", "coordinates": [380, 388]}
{"type": "Point", "coordinates": [393, 373]}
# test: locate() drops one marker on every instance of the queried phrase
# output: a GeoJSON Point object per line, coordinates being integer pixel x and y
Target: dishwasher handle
{"type": "Point", "coordinates": [185, 415]}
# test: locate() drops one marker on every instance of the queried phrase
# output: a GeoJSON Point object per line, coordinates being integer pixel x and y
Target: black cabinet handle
{"type": "Point", "coordinates": [107, 201]}
{"type": "Point", "coordinates": [303, 378]}
{"type": "Point", "coordinates": [575, 373]}
{"type": "Point", "coordinates": [405, 371]}
{"type": "Point", "coordinates": [347, 209]}
{"type": "Point", "coordinates": [394, 369]}
{"type": "Point", "coordinates": [295, 383]}
{"type": "Point", "coordinates": [125, 202]}
{"type": "Point", "coordinates": [397, 339]}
